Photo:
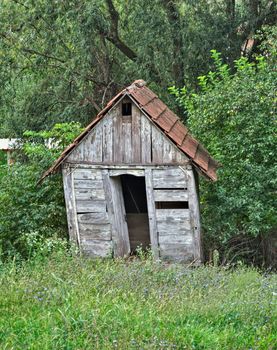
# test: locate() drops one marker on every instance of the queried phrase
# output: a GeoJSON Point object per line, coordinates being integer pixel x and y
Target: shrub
{"type": "Point", "coordinates": [26, 207]}
{"type": "Point", "coordinates": [233, 115]}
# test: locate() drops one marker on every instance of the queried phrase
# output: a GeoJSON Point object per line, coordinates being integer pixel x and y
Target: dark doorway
{"type": "Point", "coordinates": [134, 194]}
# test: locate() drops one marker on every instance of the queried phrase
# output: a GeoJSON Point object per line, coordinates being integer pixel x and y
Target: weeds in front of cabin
{"type": "Point", "coordinates": [68, 302]}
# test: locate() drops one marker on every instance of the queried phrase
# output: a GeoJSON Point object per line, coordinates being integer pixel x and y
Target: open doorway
{"type": "Point", "coordinates": [134, 194]}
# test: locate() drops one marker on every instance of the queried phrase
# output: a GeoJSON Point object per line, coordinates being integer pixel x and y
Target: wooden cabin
{"type": "Point", "coordinates": [130, 180]}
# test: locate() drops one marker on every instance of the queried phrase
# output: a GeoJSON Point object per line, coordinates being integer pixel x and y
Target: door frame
{"type": "Point", "coordinates": [115, 200]}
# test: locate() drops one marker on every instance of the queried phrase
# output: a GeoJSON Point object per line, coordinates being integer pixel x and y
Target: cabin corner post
{"type": "Point", "coordinates": [194, 214]}
{"type": "Point", "coordinates": [69, 197]}
{"type": "Point", "coordinates": [151, 212]}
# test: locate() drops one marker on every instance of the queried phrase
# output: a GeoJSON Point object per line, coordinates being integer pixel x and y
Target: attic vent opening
{"type": "Point", "coordinates": [126, 108]}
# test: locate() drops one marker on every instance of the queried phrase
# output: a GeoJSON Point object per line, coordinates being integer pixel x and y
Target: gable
{"type": "Point", "coordinates": [126, 139]}
{"type": "Point", "coordinates": [161, 116]}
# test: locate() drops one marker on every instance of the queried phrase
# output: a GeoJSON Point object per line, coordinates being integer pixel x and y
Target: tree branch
{"type": "Point", "coordinates": [113, 35]}
{"type": "Point", "coordinates": [34, 52]}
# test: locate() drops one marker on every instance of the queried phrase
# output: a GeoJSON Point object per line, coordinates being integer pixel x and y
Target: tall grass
{"type": "Point", "coordinates": [65, 302]}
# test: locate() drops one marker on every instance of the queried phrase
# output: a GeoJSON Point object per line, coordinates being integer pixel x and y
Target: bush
{"type": "Point", "coordinates": [25, 207]}
{"type": "Point", "coordinates": [233, 115]}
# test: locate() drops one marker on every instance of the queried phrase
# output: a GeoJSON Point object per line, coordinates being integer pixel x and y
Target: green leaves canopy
{"type": "Point", "coordinates": [234, 116]}
{"type": "Point", "coordinates": [63, 60]}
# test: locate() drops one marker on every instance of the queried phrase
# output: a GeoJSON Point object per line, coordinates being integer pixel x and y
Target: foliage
{"type": "Point", "coordinates": [63, 60]}
{"type": "Point", "coordinates": [67, 302]}
{"type": "Point", "coordinates": [27, 209]}
{"type": "Point", "coordinates": [234, 117]}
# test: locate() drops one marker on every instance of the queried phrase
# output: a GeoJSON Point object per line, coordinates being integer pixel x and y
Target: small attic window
{"type": "Point", "coordinates": [126, 108]}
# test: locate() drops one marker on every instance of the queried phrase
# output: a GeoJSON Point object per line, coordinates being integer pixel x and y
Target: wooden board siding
{"type": "Point", "coordinates": [174, 228]}
{"type": "Point", "coordinates": [116, 214]}
{"type": "Point", "coordinates": [97, 248]}
{"type": "Point", "coordinates": [90, 210]}
{"type": "Point", "coordinates": [170, 195]}
{"type": "Point", "coordinates": [96, 212]}
{"type": "Point", "coordinates": [169, 178]}
{"type": "Point", "coordinates": [70, 204]}
{"type": "Point", "coordinates": [151, 212]}
{"type": "Point", "coordinates": [134, 139]}
{"type": "Point", "coordinates": [120, 226]}
{"type": "Point", "coordinates": [195, 215]}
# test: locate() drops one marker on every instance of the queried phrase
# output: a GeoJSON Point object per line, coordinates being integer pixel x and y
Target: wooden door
{"type": "Point", "coordinates": [120, 228]}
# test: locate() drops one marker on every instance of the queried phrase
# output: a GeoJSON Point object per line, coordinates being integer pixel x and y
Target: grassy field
{"type": "Point", "coordinates": [72, 303]}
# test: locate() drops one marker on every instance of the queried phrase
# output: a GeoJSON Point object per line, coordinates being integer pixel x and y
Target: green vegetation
{"type": "Point", "coordinates": [28, 210]}
{"type": "Point", "coordinates": [63, 60]}
{"type": "Point", "coordinates": [67, 302]}
{"type": "Point", "coordinates": [234, 116]}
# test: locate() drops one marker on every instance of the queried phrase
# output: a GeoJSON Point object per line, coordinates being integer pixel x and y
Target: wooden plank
{"type": "Point", "coordinates": [69, 203]}
{"type": "Point", "coordinates": [169, 178]}
{"type": "Point", "coordinates": [146, 140]}
{"type": "Point", "coordinates": [90, 206]}
{"type": "Point", "coordinates": [180, 158]}
{"type": "Point", "coordinates": [94, 218]}
{"type": "Point", "coordinates": [95, 231]}
{"type": "Point", "coordinates": [87, 145]}
{"type": "Point", "coordinates": [86, 184]}
{"type": "Point", "coordinates": [120, 217]}
{"type": "Point", "coordinates": [116, 214]}
{"type": "Point", "coordinates": [136, 134]}
{"type": "Point", "coordinates": [173, 226]}
{"type": "Point", "coordinates": [138, 172]}
{"type": "Point", "coordinates": [108, 138]}
{"type": "Point", "coordinates": [169, 152]}
{"type": "Point", "coordinates": [157, 145]}
{"type": "Point", "coordinates": [110, 208]}
{"type": "Point", "coordinates": [127, 142]}
{"type": "Point", "coordinates": [87, 174]}
{"type": "Point", "coordinates": [170, 195]}
{"type": "Point", "coordinates": [91, 165]}
{"type": "Point", "coordinates": [151, 212]}
{"type": "Point", "coordinates": [177, 239]}
{"type": "Point", "coordinates": [176, 252]}
{"type": "Point", "coordinates": [117, 136]}
{"type": "Point", "coordinates": [195, 215]}
{"type": "Point", "coordinates": [180, 227]}
{"type": "Point", "coordinates": [77, 154]}
{"type": "Point", "coordinates": [97, 248]}
{"type": "Point", "coordinates": [172, 214]}
{"type": "Point", "coordinates": [89, 194]}
{"type": "Point", "coordinates": [96, 144]}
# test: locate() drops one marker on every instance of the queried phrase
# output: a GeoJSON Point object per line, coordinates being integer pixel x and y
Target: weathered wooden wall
{"type": "Point", "coordinates": [118, 139]}
{"type": "Point", "coordinates": [95, 210]}
{"type": "Point", "coordinates": [95, 206]}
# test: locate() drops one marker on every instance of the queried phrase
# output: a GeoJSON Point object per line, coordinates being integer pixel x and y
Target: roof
{"type": "Point", "coordinates": [161, 116]}
{"type": "Point", "coordinates": [8, 144]}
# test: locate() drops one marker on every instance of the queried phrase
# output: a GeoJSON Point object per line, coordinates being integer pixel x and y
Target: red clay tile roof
{"type": "Point", "coordinates": [164, 118]}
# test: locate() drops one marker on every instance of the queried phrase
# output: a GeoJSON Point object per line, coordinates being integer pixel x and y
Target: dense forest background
{"type": "Point", "coordinates": [61, 61]}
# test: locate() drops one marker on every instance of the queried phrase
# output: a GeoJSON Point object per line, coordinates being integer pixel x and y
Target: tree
{"type": "Point", "coordinates": [233, 115]}
{"type": "Point", "coordinates": [63, 60]}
